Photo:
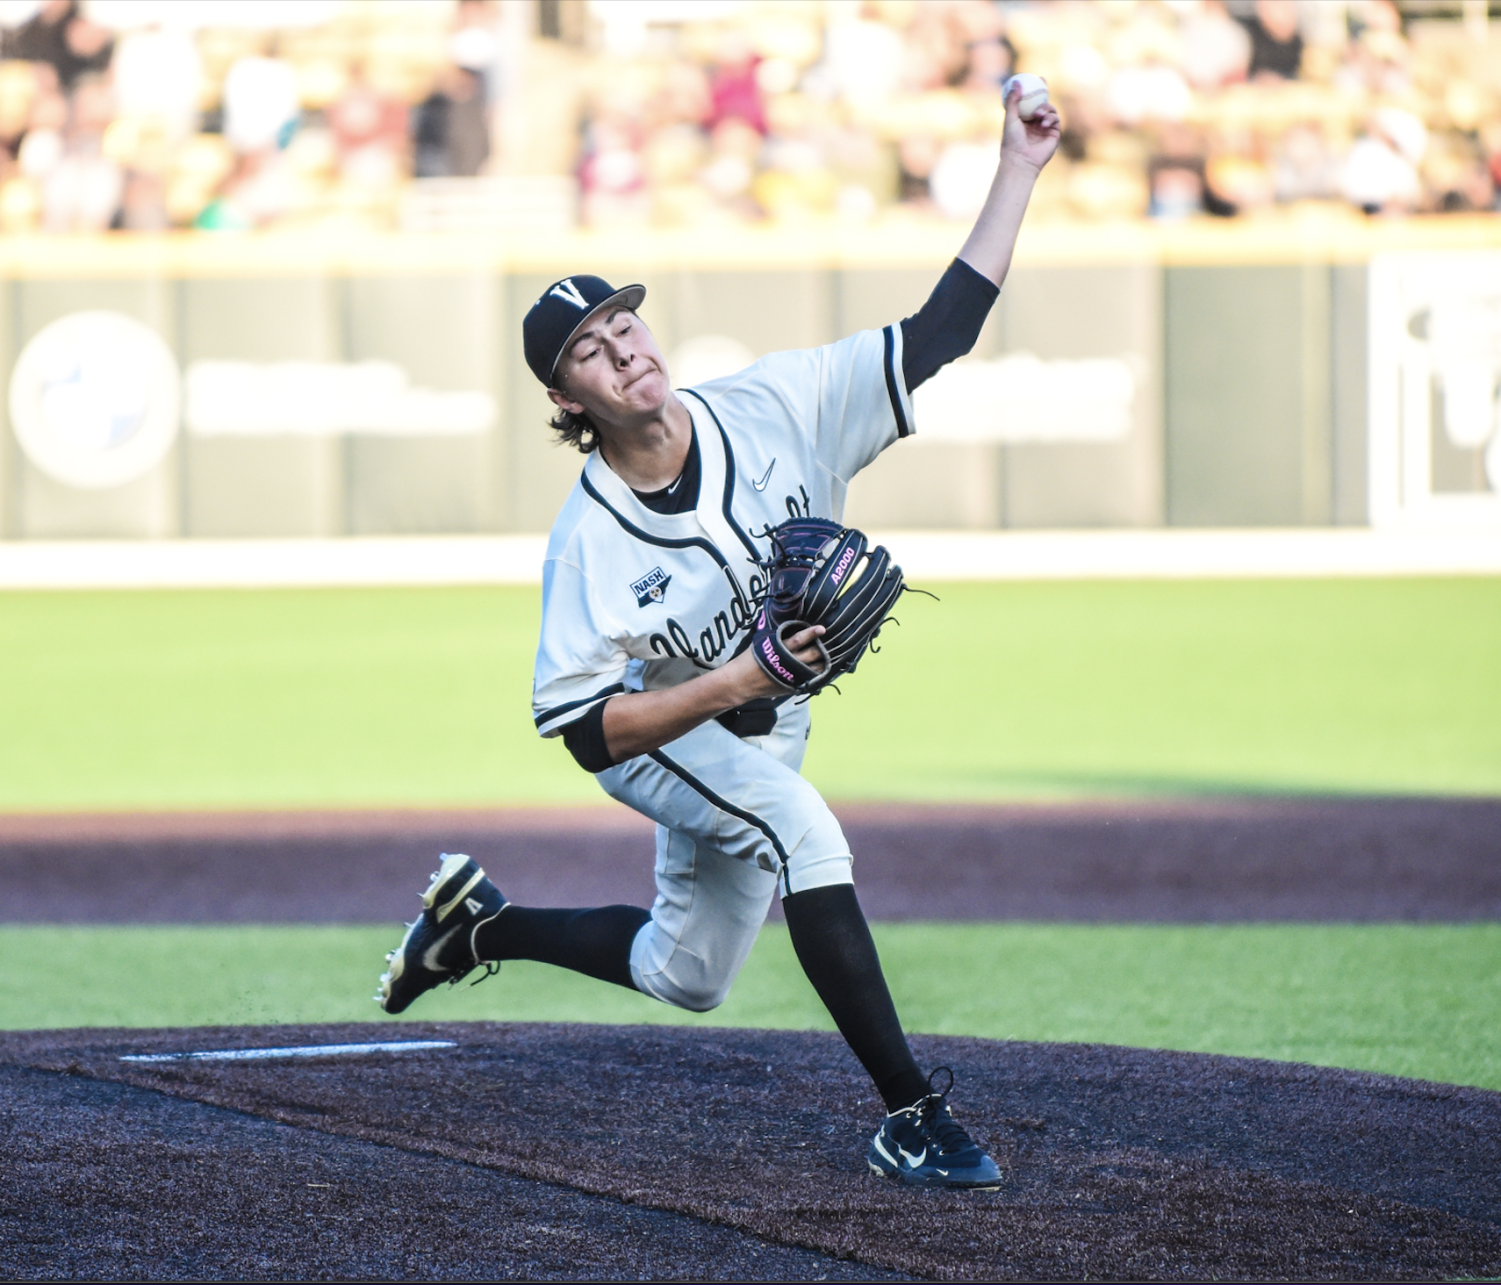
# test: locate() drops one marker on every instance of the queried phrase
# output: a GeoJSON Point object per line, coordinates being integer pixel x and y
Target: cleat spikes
{"type": "Point", "coordinates": [439, 944]}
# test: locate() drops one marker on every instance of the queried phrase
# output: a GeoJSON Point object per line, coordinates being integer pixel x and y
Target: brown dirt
{"type": "Point", "coordinates": [547, 1152]}
{"type": "Point", "coordinates": [556, 1153]}
{"type": "Point", "coordinates": [106, 1181]}
{"type": "Point", "coordinates": [1204, 861]}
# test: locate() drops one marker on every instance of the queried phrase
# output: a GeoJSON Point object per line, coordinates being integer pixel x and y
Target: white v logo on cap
{"type": "Point", "coordinates": [569, 292]}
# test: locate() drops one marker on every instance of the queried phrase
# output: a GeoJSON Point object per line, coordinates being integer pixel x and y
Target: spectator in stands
{"type": "Point", "coordinates": [1216, 48]}
{"type": "Point", "coordinates": [1237, 175]}
{"type": "Point", "coordinates": [1149, 92]}
{"type": "Point", "coordinates": [82, 193]}
{"type": "Point", "coordinates": [733, 91]}
{"type": "Point", "coordinates": [158, 79]}
{"type": "Point", "coordinates": [1455, 172]}
{"type": "Point", "coordinates": [863, 61]}
{"type": "Point", "coordinates": [1475, 190]}
{"type": "Point", "coordinates": [768, 110]}
{"type": "Point", "coordinates": [60, 35]}
{"type": "Point", "coordinates": [936, 46]}
{"type": "Point", "coordinates": [370, 131]}
{"type": "Point", "coordinates": [992, 58]}
{"type": "Point", "coordinates": [917, 154]}
{"type": "Point", "coordinates": [450, 133]}
{"type": "Point", "coordinates": [1490, 146]}
{"type": "Point", "coordinates": [1181, 175]}
{"type": "Point", "coordinates": [18, 89]}
{"type": "Point", "coordinates": [612, 173]}
{"type": "Point", "coordinates": [1378, 56]}
{"type": "Point", "coordinates": [1380, 173]}
{"type": "Point", "coordinates": [1276, 42]}
{"type": "Point", "coordinates": [260, 113]}
{"type": "Point", "coordinates": [1305, 169]}
{"type": "Point", "coordinates": [41, 147]}
{"type": "Point", "coordinates": [1177, 187]}
{"type": "Point", "coordinates": [143, 205]}
{"type": "Point", "coordinates": [475, 45]}
{"type": "Point", "coordinates": [260, 103]}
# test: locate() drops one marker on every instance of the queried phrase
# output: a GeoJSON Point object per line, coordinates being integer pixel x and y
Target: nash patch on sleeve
{"type": "Point", "coordinates": [652, 587]}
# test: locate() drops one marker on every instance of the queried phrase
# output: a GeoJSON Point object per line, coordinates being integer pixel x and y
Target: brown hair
{"type": "Point", "coordinates": [577, 431]}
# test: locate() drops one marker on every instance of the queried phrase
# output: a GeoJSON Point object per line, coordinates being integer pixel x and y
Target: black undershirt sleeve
{"type": "Point", "coordinates": [948, 324]}
{"type": "Point", "coordinates": [585, 739]}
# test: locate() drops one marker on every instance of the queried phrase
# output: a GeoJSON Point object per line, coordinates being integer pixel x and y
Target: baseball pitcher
{"type": "Point", "coordinates": [699, 587]}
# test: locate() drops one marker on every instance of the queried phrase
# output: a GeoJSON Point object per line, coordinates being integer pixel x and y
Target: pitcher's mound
{"type": "Point", "coordinates": [537, 1151]}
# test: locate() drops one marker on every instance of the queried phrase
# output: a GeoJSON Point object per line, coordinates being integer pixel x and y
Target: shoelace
{"type": "Point", "coordinates": [491, 967]}
{"type": "Point", "coordinates": [947, 1132]}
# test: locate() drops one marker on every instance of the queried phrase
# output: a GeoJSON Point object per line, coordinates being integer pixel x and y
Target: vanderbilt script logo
{"type": "Point", "coordinates": [715, 638]}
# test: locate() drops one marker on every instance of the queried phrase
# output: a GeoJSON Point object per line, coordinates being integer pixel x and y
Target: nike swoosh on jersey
{"type": "Point", "coordinates": [765, 477]}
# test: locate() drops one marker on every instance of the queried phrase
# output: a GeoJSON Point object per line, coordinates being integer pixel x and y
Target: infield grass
{"type": "Point", "coordinates": [419, 697]}
{"type": "Point", "coordinates": [1413, 1000]}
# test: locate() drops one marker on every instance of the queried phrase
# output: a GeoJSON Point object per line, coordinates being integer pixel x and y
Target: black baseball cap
{"type": "Point", "coordinates": [560, 313]}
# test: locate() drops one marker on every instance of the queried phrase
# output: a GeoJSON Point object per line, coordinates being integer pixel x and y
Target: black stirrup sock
{"type": "Point", "coordinates": [834, 946]}
{"type": "Point", "coordinates": [594, 942]}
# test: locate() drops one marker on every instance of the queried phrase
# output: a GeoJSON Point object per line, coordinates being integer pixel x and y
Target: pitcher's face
{"type": "Point", "coordinates": [613, 370]}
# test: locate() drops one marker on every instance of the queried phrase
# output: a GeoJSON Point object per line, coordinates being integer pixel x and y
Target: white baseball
{"type": "Point", "coordinates": [1034, 93]}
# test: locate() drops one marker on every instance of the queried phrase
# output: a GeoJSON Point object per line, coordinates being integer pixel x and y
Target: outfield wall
{"type": "Point", "coordinates": [1131, 376]}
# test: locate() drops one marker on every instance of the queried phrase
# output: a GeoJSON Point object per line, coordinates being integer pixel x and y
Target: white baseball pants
{"type": "Point", "coordinates": [734, 819]}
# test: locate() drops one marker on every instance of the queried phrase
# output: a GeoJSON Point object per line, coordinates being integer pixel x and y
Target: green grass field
{"type": "Point", "coordinates": [380, 698]}
{"type": "Point", "coordinates": [1402, 999]}
{"type": "Point", "coordinates": [354, 698]}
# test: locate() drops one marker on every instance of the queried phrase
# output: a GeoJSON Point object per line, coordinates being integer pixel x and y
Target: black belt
{"type": "Point", "coordinates": [754, 718]}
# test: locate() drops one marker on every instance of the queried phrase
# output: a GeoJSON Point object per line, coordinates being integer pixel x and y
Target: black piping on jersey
{"type": "Point", "coordinates": [747, 603]}
{"type": "Point", "coordinates": [614, 689]}
{"type": "Point", "coordinates": [902, 427]}
{"type": "Point", "coordinates": [729, 478]}
{"type": "Point", "coordinates": [685, 542]}
{"type": "Point", "coordinates": [665, 542]}
{"type": "Point", "coordinates": [750, 818]}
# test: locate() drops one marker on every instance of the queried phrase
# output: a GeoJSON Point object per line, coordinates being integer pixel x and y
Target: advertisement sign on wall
{"type": "Point", "coordinates": [1434, 420]}
{"type": "Point", "coordinates": [94, 400]}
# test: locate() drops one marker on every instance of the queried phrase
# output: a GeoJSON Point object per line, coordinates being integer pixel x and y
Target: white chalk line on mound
{"type": "Point", "coordinates": [304, 1050]}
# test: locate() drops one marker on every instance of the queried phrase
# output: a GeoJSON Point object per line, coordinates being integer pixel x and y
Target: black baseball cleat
{"type": "Point", "coordinates": [439, 944]}
{"type": "Point", "coordinates": [924, 1146]}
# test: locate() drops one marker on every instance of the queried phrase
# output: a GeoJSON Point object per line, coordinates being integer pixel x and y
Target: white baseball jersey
{"type": "Point", "coordinates": [636, 600]}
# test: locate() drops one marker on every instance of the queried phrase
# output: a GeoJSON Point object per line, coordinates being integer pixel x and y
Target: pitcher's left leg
{"type": "Point", "coordinates": [732, 819]}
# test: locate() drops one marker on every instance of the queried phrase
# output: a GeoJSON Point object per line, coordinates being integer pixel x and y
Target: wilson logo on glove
{"type": "Point", "coordinates": [822, 573]}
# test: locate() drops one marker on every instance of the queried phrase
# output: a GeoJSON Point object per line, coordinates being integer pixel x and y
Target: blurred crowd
{"type": "Point", "coordinates": [1171, 108]}
{"type": "Point", "coordinates": [710, 110]}
{"type": "Point", "coordinates": [169, 124]}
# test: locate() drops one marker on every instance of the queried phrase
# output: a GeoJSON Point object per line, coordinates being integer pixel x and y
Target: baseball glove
{"type": "Point", "coordinates": [822, 573]}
